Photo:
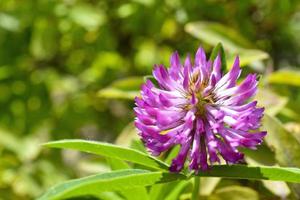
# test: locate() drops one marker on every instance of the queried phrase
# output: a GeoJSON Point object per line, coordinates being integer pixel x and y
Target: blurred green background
{"type": "Point", "coordinates": [70, 68]}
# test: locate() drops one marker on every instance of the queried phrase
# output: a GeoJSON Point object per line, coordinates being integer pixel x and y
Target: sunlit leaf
{"type": "Point", "coordinates": [254, 173]}
{"type": "Point", "coordinates": [109, 196]}
{"type": "Point", "coordinates": [160, 191]}
{"type": "Point", "coordinates": [229, 171]}
{"type": "Point", "coordinates": [177, 190]}
{"type": "Point", "coordinates": [219, 50]}
{"type": "Point", "coordinates": [234, 193]}
{"type": "Point", "coordinates": [208, 184]}
{"type": "Point", "coordinates": [116, 164]}
{"type": "Point", "coordinates": [127, 88]}
{"type": "Point", "coordinates": [87, 16]}
{"type": "Point", "coordinates": [111, 181]}
{"type": "Point", "coordinates": [172, 154]}
{"type": "Point", "coordinates": [9, 141]}
{"type": "Point", "coordinates": [43, 43]}
{"type": "Point", "coordinates": [26, 148]}
{"type": "Point", "coordinates": [104, 62]}
{"type": "Point", "coordinates": [290, 113]}
{"type": "Point", "coordinates": [129, 83]}
{"type": "Point", "coordinates": [110, 150]}
{"type": "Point", "coordinates": [264, 156]}
{"type": "Point", "coordinates": [278, 188]}
{"type": "Point", "coordinates": [294, 128]}
{"type": "Point", "coordinates": [288, 77]}
{"type": "Point", "coordinates": [152, 79]}
{"type": "Point", "coordinates": [128, 134]}
{"type": "Point", "coordinates": [284, 144]}
{"type": "Point", "coordinates": [247, 56]}
{"type": "Point", "coordinates": [113, 93]}
{"type": "Point", "coordinates": [213, 33]}
{"type": "Point", "coordinates": [9, 22]}
{"type": "Point", "coordinates": [136, 193]}
{"type": "Point", "coordinates": [272, 102]}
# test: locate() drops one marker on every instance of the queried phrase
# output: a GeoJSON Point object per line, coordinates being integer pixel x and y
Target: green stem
{"type": "Point", "coordinates": [195, 195]}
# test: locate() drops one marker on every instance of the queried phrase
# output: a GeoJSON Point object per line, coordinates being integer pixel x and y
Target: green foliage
{"type": "Point", "coordinates": [235, 193]}
{"type": "Point", "coordinates": [285, 146]}
{"type": "Point", "coordinates": [219, 50]}
{"type": "Point", "coordinates": [286, 77]}
{"type": "Point", "coordinates": [116, 180]}
{"type": "Point", "coordinates": [213, 33]}
{"type": "Point", "coordinates": [122, 89]}
{"type": "Point", "coordinates": [136, 178]}
{"type": "Point", "coordinates": [111, 151]}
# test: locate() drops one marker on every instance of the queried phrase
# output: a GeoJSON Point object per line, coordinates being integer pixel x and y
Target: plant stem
{"type": "Point", "coordinates": [195, 195]}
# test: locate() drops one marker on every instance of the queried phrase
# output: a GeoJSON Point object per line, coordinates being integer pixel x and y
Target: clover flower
{"type": "Point", "coordinates": [197, 107]}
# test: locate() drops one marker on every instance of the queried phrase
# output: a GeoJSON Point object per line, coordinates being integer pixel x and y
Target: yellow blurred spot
{"type": "Point", "coordinates": [169, 28]}
{"type": "Point", "coordinates": [164, 132]}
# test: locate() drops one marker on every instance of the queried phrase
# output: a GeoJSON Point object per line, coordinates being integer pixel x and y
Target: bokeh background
{"type": "Point", "coordinates": [70, 69]}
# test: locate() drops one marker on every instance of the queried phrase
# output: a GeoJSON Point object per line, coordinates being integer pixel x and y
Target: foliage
{"type": "Point", "coordinates": [119, 180]}
{"type": "Point", "coordinates": [70, 69]}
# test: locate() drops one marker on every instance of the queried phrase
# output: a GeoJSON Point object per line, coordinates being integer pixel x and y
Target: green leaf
{"type": "Point", "coordinates": [110, 150]}
{"type": "Point", "coordinates": [247, 56]}
{"type": "Point", "coordinates": [172, 154]}
{"type": "Point", "coordinates": [113, 93]}
{"type": "Point", "coordinates": [254, 173]}
{"type": "Point", "coordinates": [87, 16]}
{"type": "Point", "coordinates": [208, 184]}
{"type": "Point", "coordinates": [129, 83]}
{"type": "Point", "coordinates": [160, 191]}
{"type": "Point", "coordinates": [235, 193]}
{"type": "Point", "coordinates": [152, 79]}
{"type": "Point", "coordinates": [279, 188]}
{"type": "Point", "coordinates": [133, 193]}
{"type": "Point", "coordinates": [219, 50]}
{"type": "Point", "coordinates": [9, 22]}
{"type": "Point", "coordinates": [43, 44]}
{"type": "Point", "coordinates": [9, 141]}
{"type": "Point", "coordinates": [127, 136]}
{"type": "Point", "coordinates": [109, 196]}
{"type": "Point", "coordinates": [284, 144]}
{"type": "Point", "coordinates": [138, 145]}
{"type": "Point", "coordinates": [116, 164]}
{"type": "Point", "coordinates": [294, 128]}
{"type": "Point", "coordinates": [127, 88]}
{"type": "Point", "coordinates": [214, 33]}
{"type": "Point", "coordinates": [229, 171]}
{"type": "Point", "coordinates": [136, 193]}
{"type": "Point", "coordinates": [111, 181]}
{"type": "Point", "coordinates": [272, 102]}
{"type": "Point", "coordinates": [177, 190]}
{"type": "Point", "coordinates": [288, 77]}
{"type": "Point", "coordinates": [291, 113]}
{"type": "Point", "coordinates": [26, 148]}
{"type": "Point", "coordinates": [264, 156]}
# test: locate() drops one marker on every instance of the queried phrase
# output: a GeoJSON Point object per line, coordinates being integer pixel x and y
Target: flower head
{"type": "Point", "coordinates": [197, 107]}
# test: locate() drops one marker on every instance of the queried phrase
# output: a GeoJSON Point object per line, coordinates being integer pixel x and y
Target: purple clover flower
{"type": "Point", "coordinates": [208, 114]}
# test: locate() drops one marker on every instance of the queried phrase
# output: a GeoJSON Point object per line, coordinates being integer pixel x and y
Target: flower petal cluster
{"type": "Point", "coordinates": [197, 107]}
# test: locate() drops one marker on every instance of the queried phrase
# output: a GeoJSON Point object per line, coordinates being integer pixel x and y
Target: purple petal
{"type": "Point", "coordinates": [175, 68]}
